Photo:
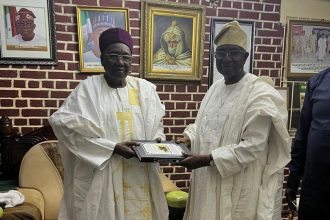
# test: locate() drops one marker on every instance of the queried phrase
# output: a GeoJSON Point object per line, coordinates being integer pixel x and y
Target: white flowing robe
{"type": "Point", "coordinates": [37, 41]}
{"type": "Point", "coordinates": [100, 185]}
{"type": "Point", "coordinates": [244, 127]}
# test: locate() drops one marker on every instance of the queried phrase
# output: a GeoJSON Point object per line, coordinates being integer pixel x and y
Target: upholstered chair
{"type": "Point", "coordinates": [41, 178]}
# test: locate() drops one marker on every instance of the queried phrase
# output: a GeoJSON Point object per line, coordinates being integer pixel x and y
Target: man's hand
{"type": "Point", "coordinates": [183, 140]}
{"type": "Point", "coordinates": [158, 140]}
{"type": "Point", "coordinates": [290, 196]}
{"type": "Point", "coordinates": [194, 161]}
{"type": "Point", "coordinates": [125, 149]}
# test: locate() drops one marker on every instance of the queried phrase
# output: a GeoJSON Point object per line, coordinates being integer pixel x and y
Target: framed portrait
{"type": "Point", "coordinates": [216, 26]}
{"type": "Point", "coordinates": [172, 41]}
{"type": "Point", "coordinates": [91, 22]}
{"type": "Point", "coordinates": [27, 32]}
{"type": "Point", "coordinates": [308, 47]}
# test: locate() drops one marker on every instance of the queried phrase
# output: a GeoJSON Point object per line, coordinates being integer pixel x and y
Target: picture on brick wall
{"type": "Point", "coordinates": [216, 26]}
{"type": "Point", "coordinates": [172, 41]}
{"type": "Point", "coordinates": [27, 32]}
{"type": "Point", "coordinates": [308, 47]}
{"type": "Point", "coordinates": [92, 21]}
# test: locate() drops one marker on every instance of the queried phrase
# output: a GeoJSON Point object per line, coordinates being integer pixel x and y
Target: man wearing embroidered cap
{"type": "Point", "coordinates": [26, 37]}
{"type": "Point", "coordinates": [239, 141]}
{"type": "Point", "coordinates": [96, 127]}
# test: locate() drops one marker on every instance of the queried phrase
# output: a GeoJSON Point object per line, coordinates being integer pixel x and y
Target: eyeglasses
{"type": "Point", "coordinates": [24, 23]}
{"type": "Point", "coordinates": [235, 54]}
{"type": "Point", "coordinates": [115, 57]}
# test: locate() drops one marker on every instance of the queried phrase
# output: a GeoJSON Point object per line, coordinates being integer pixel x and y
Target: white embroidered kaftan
{"type": "Point", "coordinates": [100, 185]}
{"type": "Point", "coordinates": [244, 127]}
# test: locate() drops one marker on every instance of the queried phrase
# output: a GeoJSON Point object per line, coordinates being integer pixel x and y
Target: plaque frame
{"type": "Point", "coordinates": [143, 155]}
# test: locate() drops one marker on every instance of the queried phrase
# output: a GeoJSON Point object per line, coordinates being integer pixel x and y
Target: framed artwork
{"type": "Point", "coordinates": [308, 47]}
{"type": "Point", "coordinates": [216, 26]}
{"type": "Point", "coordinates": [91, 22]}
{"type": "Point", "coordinates": [27, 32]}
{"type": "Point", "coordinates": [172, 41]}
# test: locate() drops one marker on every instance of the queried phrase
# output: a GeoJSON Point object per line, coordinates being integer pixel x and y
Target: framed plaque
{"type": "Point", "coordinates": [166, 151]}
{"type": "Point", "coordinates": [308, 48]}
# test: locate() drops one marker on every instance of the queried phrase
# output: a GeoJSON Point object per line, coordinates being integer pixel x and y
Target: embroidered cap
{"type": "Point", "coordinates": [25, 14]}
{"type": "Point", "coordinates": [233, 34]}
{"type": "Point", "coordinates": [103, 20]}
{"type": "Point", "coordinates": [115, 35]}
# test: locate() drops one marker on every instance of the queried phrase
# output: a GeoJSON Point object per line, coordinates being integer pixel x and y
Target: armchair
{"type": "Point", "coordinates": [41, 178]}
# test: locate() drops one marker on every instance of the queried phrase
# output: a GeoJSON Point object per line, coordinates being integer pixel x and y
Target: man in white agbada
{"type": "Point", "coordinates": [239, 141]}
{"type": "Point", "coordinates": [95, 128]}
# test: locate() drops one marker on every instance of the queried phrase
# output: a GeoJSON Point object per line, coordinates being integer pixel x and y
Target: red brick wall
{"type": "Point", "coordinates": [30, 94]}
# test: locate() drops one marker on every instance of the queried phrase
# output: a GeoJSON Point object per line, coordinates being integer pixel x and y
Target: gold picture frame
{"type": "Point", "coordinates": [91, 22]}
{"type": "Point", "coordinates": [308, 47]}
{"type": "Point", "coordinates": [172, 41]}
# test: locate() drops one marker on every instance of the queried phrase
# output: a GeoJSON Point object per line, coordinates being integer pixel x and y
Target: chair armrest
{"type": "Point", "coordinates": [35, 198]}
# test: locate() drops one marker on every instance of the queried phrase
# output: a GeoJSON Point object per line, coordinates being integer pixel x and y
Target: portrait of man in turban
{"type": "Point", "coordinates": [174, 48]}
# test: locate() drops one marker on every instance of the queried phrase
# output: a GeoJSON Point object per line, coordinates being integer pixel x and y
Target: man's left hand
{"type": "Point", "coordinates": [158, 140]}
{"type": "Point", "coordinates": [194, 161]}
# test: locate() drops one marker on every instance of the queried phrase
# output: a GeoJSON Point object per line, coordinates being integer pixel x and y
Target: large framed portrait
{"type": "Point", "coordinates": [172, 41]}
{"type": "Point", "coordinates": [216, 25]}
{"type": "Point", "coordinates": [27, 32]}
{"type": "Point", "coordinates": [308, 47]}
{"type": "Point", "coordinates": [91, 22]}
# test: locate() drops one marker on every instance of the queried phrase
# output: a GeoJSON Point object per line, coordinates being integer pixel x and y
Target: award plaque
{"type": "Point", "coordinates": [166, 151]}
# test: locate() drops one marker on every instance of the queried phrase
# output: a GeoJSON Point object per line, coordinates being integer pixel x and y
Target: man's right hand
{"type": "Point", "coordinates": [183, 140]}
{"type": "Point", "coordinates": [290, 196]}
{"type": "Point", "coordinates": [125, 149]}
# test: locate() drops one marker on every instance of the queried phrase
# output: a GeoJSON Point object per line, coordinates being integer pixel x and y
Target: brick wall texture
{"type": "Point", "coordinates": [30, 94]}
